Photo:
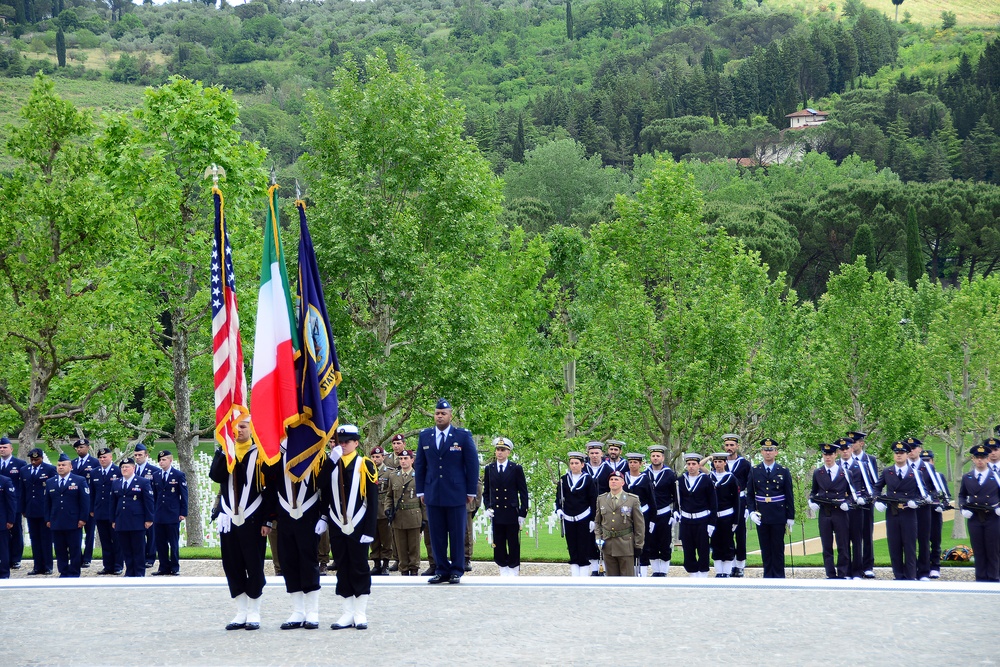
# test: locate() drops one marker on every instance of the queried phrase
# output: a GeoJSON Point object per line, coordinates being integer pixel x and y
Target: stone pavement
{"type": "Point", "coordinates": [504, 621]}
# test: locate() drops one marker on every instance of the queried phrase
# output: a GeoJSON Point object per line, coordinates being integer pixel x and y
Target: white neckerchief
{"type": "Point", "coordinates": [575, 481]}
{"type": "Point", "coordinates": [691, 486]}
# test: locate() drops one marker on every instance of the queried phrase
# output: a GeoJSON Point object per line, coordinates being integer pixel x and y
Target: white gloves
{"type": "Point", "coordinates": [939, 509]}
{"type": "Point", "coordinates": [734, 527]}
{"type": "Point", "coordinates": [321, 527]}
{"type": "Point", "coordinates": [813, 506]}
{"type": "Point", "coordinates": [520, 523]}
{"type": "Point", "coordinates": [336, 453]}
{"type": "Point", "coordinates": [367, 539]}
{"type": "Point", "coordinates": [844, 507]}
{"type": "Point", "coordinates": [560, 514]}
{"type": "Point", "coordinates": [746, 515]}
{"type": "Point", "coordinates": [996, 511]}
{"type": "Point", "coordinates": [755, 517]}
{"type": "Point", "coordinates": [711, 529]}
{"type": "Point", "coordinates": [673, 518]}
{"type": "Point", "coordinates": [652, 525]}
{"type": "Point", "coordinates": [489, 512]}
{"type": "Point", "coordinates": [968, 513]}
{"type": "Point", "coordinates": [224, 523]}
{"type": "Point", "coordinates": [590, 526]}
{"type": "Point", "coordinates": [861, 501]}
{"type": "Point", "coordinates": [790, 523]}
{"type": "Point", "coordinates": [912, 504]}
{"type": "Point", "coordinates": [880, 506]}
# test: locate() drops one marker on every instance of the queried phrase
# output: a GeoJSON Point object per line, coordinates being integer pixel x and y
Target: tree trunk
{"type": "Point", "coordinates": [184, 436]}
{"type": "Point", "coordinates": [569, 377]}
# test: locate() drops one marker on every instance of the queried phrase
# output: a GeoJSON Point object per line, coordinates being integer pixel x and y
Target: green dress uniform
{"type": "Point", "coordinates": [381, 551]}
{"type": "Point", "coordinates": [406, 519]}
{"type": "Point", "coordinates": [620, 524]}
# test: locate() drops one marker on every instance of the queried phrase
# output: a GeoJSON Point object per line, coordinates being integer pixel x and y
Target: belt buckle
{"type": "Point", "coordinates": [295, 512]}
{"type": "Point", "coordinates": [767, 499]}
{"type": "Point", "coordinates": [239, 519]}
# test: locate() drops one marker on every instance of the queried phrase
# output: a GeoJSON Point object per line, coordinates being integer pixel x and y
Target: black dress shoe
{"type": "Point", "coordinates": [150, 563]}
{"type": "Point", "coordinates": [252, 626]}
{"type": "Point", "coordinates": [15, 566]}
{"type": "Point", "coordinates": [236, 626]}
{"type": "Point", "coordinates": [394, 567]}
{"type": "Point", "coordinates": [468, 565]}
{"type": "Point", "coordinates": [87, 564]}
{"type": "Point", "coordinates": [104, 572]}
{"type": "Point", "coordinates": [361, 626]}
{"type": "Point", "coordinates": [659, 574]}
{"type": "Point", "coordinates": [597, 574]}
{"type": "Point", "coordinates": [310, 626]}
{"type": "Point", "coordinates": [455, 579]}
{"type": "Point", "coordinates": [737, 572]}
{"type": "Point", "coordinates": [429, 572]}
{"type": "Point", "coordinates": [175, 574]}
{"type": "Point", "coordinates": [291, 625]}
{"type": "Point", "coordinates": [438, 579]}
{"type": "Point", "coordinates": [337, 626]}
{"type": "Point", "coordinates": [157, 573]}
{"type": "Point", "coordinates": [34, 572]}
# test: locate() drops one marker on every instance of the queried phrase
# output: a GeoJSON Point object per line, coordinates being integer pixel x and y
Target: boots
{"type": "Point", "coordinates": [385, 568]}
{"type": "Point", "coordinates": [394, 567]}
{"type": "Point", "coordinates": [311, 605]}
{"type": "Point", "coordinates": [298, 612]}
{"type": "Point", "coordinates": [240, 619]}
{"type": "Point", "coordinates": [253, 614]}
{"type": "Point", "coordinates": [376, 568]}
{"type": "Point", "coordinates": [346, 619]}
{"type": "Point", "coordinates": [360, 612]}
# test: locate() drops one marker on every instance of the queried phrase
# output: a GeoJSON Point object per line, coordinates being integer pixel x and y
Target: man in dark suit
{"type": "Point", "coordinates": [903, 489]}
{"type": "Point", "coordinates": [83, 464]}
{"type": "Point", "coordinates": [133, 502]}
{"type": "Point", "coordinates": [772, 508]}
{"type": "Point", "coordinates": [447, 476]}
{"type": "Point", "coordinates": [170, 493]}
{"type": "Point", "coordinates": [67, 509]}
{"type": "Point", "coordinates": [505, 496]}
{"type": "Point", "coordinates": [10, 466]}
{"type": "Point", "coordinates": [33, 479]}
{"type": "Point", "coordinates": [102, 509]}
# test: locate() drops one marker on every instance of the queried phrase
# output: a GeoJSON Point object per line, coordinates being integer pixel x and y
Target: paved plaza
{"type": "Point", "coordinates": [507, 621]}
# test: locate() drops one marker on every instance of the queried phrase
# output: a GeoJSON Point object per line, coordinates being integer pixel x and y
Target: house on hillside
{"type": "Point", "coordinates": [806, 118]}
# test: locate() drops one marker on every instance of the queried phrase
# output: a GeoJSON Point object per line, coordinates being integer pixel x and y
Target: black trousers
{"type": "Point", "coordinates": [16, 543]}
{"type": "Point", "coordinates": [901, 534]}
{"type": "Point", "coordinates": [835, 524]}
{"type": "Point", "coordinates": [579, 541]}
{"type": "Point", "coordinates": [724, 539]}
{"type": "Point", "coordinates": [297, 547]}
{"type": "Point", "coordinates": [88, 540]}
{"type": "Point", "coordinates": [150, 542]}
{"type": "Point", "coordinates": [924, 540]}
{"type": "Point", "coordinates": [857, 520]}
{"type": "Point", "coordinates": [133, 545]}
{"type": "Point", "coordinates": [168, 539]}
{"type": "Point", "coordinates": [243, 550]}
{"type": "Point", "coordinates": [772, 549]}
{"type": "Point", "coordinates": [41, 544]}
{"type": "Point", "coordinates": [507, 538]}
{"type": "Point", "coordinates": [353, 576]}
{"type": "Point", "coordinates": [111, 551]}
{"type": "Point", "coordinates": [694, 537]}
{"type": "Point", "coordinates": [937, 525]}
{"type": "Point", "coordinates": [68, 551]}
{"type": "Point", "coordinates": [5, 553]}
{"type": "Point", "coordinates": [868, 542]}
{"type": "Point", "coordinates": [741, 530]}
{"type": "Point", "coordinates": [984, 533]}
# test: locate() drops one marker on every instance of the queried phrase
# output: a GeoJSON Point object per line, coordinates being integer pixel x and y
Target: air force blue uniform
{"type": "Point", "coordinates": [133, 504]}
{"type": "Point", "coordinates": [102, 507]}
{"type": "Point", "coordinates": [82, 466]}
{"type": "Point", "coordinates": [67, 505]}
{"type": "Point", "coordinates": [171, 493]}
{"type": "Point", "coordinates": [33, 480]}
{"type": "Point", "coordinates": [11, 468]}
{"type": "Point", "coordinates": [8, 512]}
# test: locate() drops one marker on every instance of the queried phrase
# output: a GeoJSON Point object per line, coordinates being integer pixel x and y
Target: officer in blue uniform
{"type": "Point", "coordinates": [447, 481]}
{"type": "Point", "coordinates": [170, 492]}
{"type": "Point", "coordinates": [83, 464]}
{"type": "Point", "coordinates": [941, 494]}
{"type": "Point", "coordinates": [740, 469]}
{"type": "Point", "coordinates": [869, 474]}
{"type": "Point", "coordinates": [10, 466]}
{"type": "Point", "coordinates": [859, 506]}
{"type": "Point", "coordinates": [899, 490]}
{"type": "Point", "coordinates": [8, 510]}
{"type": "Point", "coordinates": [144, 468]}
{"type": "Point", "coordinates": [772, 508]}
{"type": "Point", "coordinates": [102, 509]}
{"type": "Point", "coordinates": [133, 501]}
{"type": "Point", "coordinates": [67, 509]}
{"type": "Point", "coordinates": [33, 479]}
{"type": "Point", "coordinates": [979, 500]}
{"type": "Point", "coordinates": [505, 497]}
{"type": "Point", "coordinates": [829, 498]}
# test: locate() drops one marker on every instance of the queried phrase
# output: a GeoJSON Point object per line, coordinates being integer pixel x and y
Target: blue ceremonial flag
{"type": "Point", "coordinates": [317, 371]}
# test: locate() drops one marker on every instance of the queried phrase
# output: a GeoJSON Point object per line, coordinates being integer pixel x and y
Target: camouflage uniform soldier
{"type": "Point", "coordinates": [404, 507]}
{"type": "Point", "coordinates": [619, 528]}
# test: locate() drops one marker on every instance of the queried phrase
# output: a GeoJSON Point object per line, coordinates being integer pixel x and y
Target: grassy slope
{"type": "Point", "coordinates": [978, 13]}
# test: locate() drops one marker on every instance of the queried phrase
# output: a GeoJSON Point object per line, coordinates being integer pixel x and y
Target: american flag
{"type": "Point", "coordinates": [227, 348]}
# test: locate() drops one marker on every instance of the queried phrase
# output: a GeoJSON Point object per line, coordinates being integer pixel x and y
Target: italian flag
{"type": "Point", "coordinates": [273, 395]}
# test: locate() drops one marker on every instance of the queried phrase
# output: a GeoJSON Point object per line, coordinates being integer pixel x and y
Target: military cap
{"type": "Point", "coordinates": [163, 454]}
{"type": "Point", "coordinates": [35, 453]}
{"type": "Point", "coordinates": [617, 473]}
{"type": "Point", "coordinates": [128, 460]}
{"type": "Point", "coordinates": [82, 442]}
{"type": "Point", "coordinates": [768, 443]}
{"type": "Point", "coordinates": [914, 442]}
{"type": "Point", "coordinates": [691, 456]}
{"type": "Point", "coordinates": [979, 451]}
{"type": "Point", "coordinates": [406, 452]}
{"type": "Point", "coordinates": [827, 448]}
{"type": "Point", "coordinates": [899, 447]}
{"type": "Point", "coordinates": [658, 448]}
{"type": "Point", "coordinates": [577, 455]}
{"type": "Point", "coordinates": [377, 450]}
{"type": "Point", "coordinates": [616, 443]}
{"type": "Point", "coordinates": [634, 456]}
{"type": "Point", "coordinates": [102, 451]}
{"type": "Point", "coordinates": [857, 435]}
{"type": "Point", "coordinates": [398, 438]}
{"type": "Point", "coordinates": [140, 447]}
{"type": "Point", "coordinates": [347, 432]}
{"type": "Point", "coordinates": [730, 436]}
{"type": "Point", "coordinates": [927, 455]}
{"type": "Point", "coordinates": [503, 442]}
{"type": "Point", "coordinates": [992, 443]}
{"type": "Point", "coordinates": [595, 444]}
{"type": "Point", "coordinates": [720, 456]}
{"type": "Point", "coordinates": [63, 456]}
{"type": "Point", "coordinates": [844, 443]}
{"type": "Point", "coordinates": [442, 404]}
{"type": "Point", "coordinates": [4, 440]}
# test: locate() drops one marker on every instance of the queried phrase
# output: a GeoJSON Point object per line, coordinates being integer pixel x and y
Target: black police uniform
{"type": "Point", "coordinates": [740, 469]}
{"type": "Point", "coordinates": [982, 499]}
{"type": "Point", "coordinates": [829, 491]}
{"type": "Point", "coordinates": [900, 520]}
{"type": "Point", "coordinates": [67, 503]}
{"type": "Point", "coordinates": [506, 493]}
{"type": "Point", "coordinates": [770, 494]}
{"type": "Point", "coordinates": [870, 474]}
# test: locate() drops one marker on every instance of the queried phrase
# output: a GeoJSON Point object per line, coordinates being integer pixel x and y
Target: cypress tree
{"type": "Point", "coordinates": [517, 153]}
{"type": "Point", "coordinates": [864, 244]}
{"type": "Point", "coordinates": [914, 254]}
{"type": "Point", "coordinates": [61, 48]}
{"type": "Point", "coordinates": [569, 19]}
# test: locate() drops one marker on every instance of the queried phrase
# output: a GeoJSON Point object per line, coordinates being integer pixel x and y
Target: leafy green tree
{"type": "Point", "coordinates": [155, 159]}
{"type": "Point", "coordinates": [864, 245]}
{"type": "Point", "coordinates": [914, 253]}
{"type": "Point", "coordinates": [948, 20]}
{"type": "Point", "coordinates": [407, 210]}
{"type": "Point", "coordinates": [63, 332]}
